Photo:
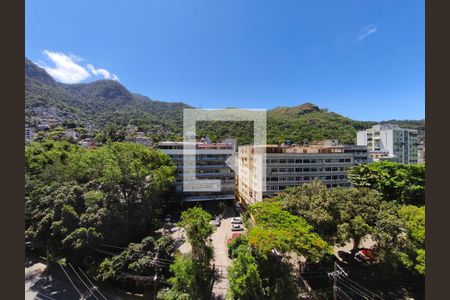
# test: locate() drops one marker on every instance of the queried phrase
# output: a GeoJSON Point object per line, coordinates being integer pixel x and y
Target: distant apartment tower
{"type": "Point", "coordinates": [210, 164]}
{"type": "Point", "coordinates": [29, 134]}
{"type": "Point", "coordinates": [421, 148]}
{"type": "Point", "coordinates": [294, 165]}
{"type": "Point", "coordinates": [389, 142]}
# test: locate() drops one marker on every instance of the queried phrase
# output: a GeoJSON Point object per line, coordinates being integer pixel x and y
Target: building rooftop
{"type": "Point", "coordinates": [327, 146]}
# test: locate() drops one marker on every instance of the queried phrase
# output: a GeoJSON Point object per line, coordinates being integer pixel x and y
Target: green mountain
{"type": "Point", "coordinates": [105, 103]}
{"type": "Point", "coordinates": [100, 103]}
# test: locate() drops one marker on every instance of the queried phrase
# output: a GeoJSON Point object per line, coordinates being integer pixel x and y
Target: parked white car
{"type": "Point", "coordinates": [236, 220]}
{"type": "Point", "coordinates": [236, 227]}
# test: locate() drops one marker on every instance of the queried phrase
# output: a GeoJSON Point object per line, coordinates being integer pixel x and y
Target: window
{"type": "Point", "coordinates": [306, 161]}
{"type": "Point", "coordinates": [298, 161]}
{"type": "Point", "coordinates": [282, 161]}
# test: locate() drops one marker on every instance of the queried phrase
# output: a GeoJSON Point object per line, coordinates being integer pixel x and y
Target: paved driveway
{"type": "Point", "coordinates": [221, 260]}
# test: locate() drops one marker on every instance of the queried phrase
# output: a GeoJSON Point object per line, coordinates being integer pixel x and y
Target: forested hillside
{"type": "Point", "coordinates": [106, 103]}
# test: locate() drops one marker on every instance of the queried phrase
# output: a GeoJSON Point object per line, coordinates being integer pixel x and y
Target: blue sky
{"type": "Point", "coordinates": [364, 59]}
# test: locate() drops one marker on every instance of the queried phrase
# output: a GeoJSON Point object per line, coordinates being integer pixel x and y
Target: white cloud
{"type": "Point", "coordinates": [99, 72]}
{"type": "Point", "coordinates": [366, 31]}
{"type": "Point", "coordinates": [66, 69]}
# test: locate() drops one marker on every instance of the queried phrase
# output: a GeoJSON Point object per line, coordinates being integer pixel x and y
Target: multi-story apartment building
{"type": "Point", "coordinates": [209, 164]}
{"type": "Point", "coordinates": [29, 134]}
{"type": "Point", "coordinates": [390, 142]}
{"type": "Point", "coordinates": [293, 165]}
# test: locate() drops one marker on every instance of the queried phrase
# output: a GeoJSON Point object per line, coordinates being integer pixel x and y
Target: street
{"type": "Point", "coordinates": [221, 260]}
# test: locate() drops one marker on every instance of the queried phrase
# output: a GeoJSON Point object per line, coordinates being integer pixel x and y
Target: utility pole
{"type": "Point", "coordinates": [335, 282]}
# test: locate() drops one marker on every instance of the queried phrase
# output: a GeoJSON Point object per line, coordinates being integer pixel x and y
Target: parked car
{"type": "Point", "coordinates": [168, 218]}
{"type": "Point", "coordinates": [236, 227]}
{"type": "Point", "coordinates": [217, 221]}
{"type": "Point", "coordinates": [367, 254]}
{"type": "Point", "coordinates": [348, 258]}
{"type": "Point", "coordinates": [236, 220]}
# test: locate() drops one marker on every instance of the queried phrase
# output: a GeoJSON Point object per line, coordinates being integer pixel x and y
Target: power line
{"type": "Point", "coordinates": [362, 275]}
{"type": "Point", "coordinates": [355, 290]}
{"type": "Point", "coordinates": [70, 279]}
{"type": "Point", "coordinates": [42, 295]}
{"type": "Point", "coordinates": [95, 287]}
{"type": "Point", "coordinates": [369, 291]}
{"type": "Point", "coordinates": [341, 276]}
{"type": "Point", "coordinates": [340, 292]}
{"type": "Point", "coordinates": [79, 277]}
{"type": "Point", "coordinates": [140, 277]}
{"type": "Point", "coordinates": [138, 251]}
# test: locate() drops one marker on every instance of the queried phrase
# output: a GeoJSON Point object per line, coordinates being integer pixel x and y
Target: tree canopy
{"type": "Point", "coordinates": [277, 229]}
{"type": "Point", "coordinates": [244, 277]}
{"type": "Point", "coordinates": [404, 183]}
{"type": "Point", "coordinates": [77, 199]}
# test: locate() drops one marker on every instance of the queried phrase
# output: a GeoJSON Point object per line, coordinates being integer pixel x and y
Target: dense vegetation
{"type": "Point", "coordinates": [107, 103]}
{"type": "Point", "coordinates": [82, 205]}
{"type": "Point", "coordinates": [78, 200]}
{"type": "Point", "coordinates": [404, 183]}
{"type": "Point", "coordinates": [192, 273]}
{"type": "Point", "coordinates": [101, 103]}
{"type": "Point", "coordinates": [309, 218]}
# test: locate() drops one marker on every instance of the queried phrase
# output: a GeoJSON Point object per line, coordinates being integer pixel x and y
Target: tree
{"type": "Point", "coordinates": [404, 183]}
{"type": "Point", "coordinates": [198, 228]}
{"type": "Point", "coordinates": [77, 199]}
{"type": "Point", "coordinates": [192, 273]}
{"type": "Point", "coordinates": [314, 203]}
{"type": "Point", "coordinates": [344, 214]}
{"type": "Point", "coordinates": [412, 249]}
{"type": "Point", "coordinates": [146, 258]}
{"type": "Point", "coordinates": [187, 282]}
{"type": "Point", "coordinates": [243, 274]}
{"type": "Point", "coordinates": [278, 229]}
{"type": "Point", "coordinates": [361, 212]}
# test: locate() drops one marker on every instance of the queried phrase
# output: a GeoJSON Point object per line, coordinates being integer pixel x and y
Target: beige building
{"type": "Point", "coordinates": [293, 165]}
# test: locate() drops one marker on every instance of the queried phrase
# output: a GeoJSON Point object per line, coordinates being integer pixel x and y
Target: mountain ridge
{"type": "Point", "coordinates": [107, 102]}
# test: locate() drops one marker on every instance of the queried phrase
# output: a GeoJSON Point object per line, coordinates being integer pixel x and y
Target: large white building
{"type": "Point", "coordinates": [294, 165]}
{"type": "Point", "coordinates": [389, 142]}
{"type": "Point", "coordinates": [210, 164]}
